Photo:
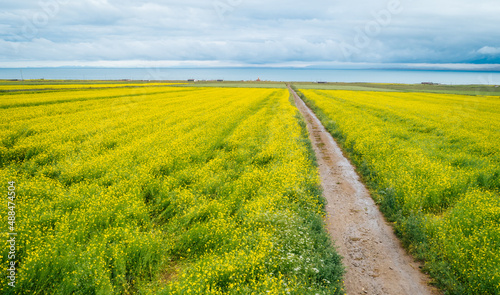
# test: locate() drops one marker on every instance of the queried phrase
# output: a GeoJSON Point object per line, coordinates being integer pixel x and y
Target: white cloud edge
{"type": "Point", "coordinates": [231, 64]}
{"type": "Point", "coordinates": [488, 50]}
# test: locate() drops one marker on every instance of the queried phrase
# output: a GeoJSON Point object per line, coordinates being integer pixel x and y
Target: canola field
{"type": "Point", "coordinates": [162, 190]}
{"type": "Point", "coordinates": [432, 161]}
{"type": "Point", "coordinates": [15, 86]}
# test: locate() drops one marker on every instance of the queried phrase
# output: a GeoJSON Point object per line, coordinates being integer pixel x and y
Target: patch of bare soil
{"type": "Point", "coordinates": [374, 259]}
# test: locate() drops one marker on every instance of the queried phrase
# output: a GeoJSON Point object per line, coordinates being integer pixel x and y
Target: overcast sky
{"type": "Point", "coordinates": [248, 32]}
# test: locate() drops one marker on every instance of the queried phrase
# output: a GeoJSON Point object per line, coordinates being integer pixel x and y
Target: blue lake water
{"type": "Point", "coordinates": [271, 74]}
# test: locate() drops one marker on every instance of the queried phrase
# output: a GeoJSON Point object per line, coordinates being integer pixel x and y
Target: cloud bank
{"type": "Point", "coordinates": [244, 32]}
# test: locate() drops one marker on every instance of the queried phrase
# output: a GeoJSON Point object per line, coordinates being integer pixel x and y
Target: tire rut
{"type": "Point", "coordinates": [374, 259]}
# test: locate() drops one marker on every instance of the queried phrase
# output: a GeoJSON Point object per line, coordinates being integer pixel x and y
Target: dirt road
{"type": "Point", "coordinates": [374, 259]}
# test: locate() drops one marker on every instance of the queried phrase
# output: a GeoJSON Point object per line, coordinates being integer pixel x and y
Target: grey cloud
{"type": "Point", "coordinates": [252, 32]}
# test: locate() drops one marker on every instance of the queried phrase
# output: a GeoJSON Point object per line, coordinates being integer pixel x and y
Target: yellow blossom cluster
{"type": "Point", "coordinates": [432, 161]}
{"type": "Point", "coordinates": [31, 86]}
{"type": "Point", "coordinates": [163, 190]}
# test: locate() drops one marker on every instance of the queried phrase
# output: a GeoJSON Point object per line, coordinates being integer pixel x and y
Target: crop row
{"type": "Point", "coordinates": [432, 162]}
{"type": "Point", "coordinates": [164, 191]}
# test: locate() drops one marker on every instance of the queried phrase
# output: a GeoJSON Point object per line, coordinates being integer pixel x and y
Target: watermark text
{"type": "Point", "coordinates": [12, 234]}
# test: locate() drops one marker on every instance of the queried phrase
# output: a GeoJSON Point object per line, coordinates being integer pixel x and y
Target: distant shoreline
{"type": "Point", "coordinates": [401, 76]}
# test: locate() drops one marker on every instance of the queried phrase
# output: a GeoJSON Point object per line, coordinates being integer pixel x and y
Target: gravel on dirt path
{"type": "Point", "coordinates": [374, 259]}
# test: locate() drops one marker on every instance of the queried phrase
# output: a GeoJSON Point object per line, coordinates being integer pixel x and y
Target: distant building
{"type": "Point", "coordinates": [220, 80]}
{"type": "Point", "coordinates": [429, 83]}
{"type": "Point", "coordinates": [322, 82]}
{"type": "Point", "coordinates": [258, 79]}
{"type": "Point", "coordinates": [190, 80]}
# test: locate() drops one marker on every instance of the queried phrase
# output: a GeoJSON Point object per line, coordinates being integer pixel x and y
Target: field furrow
{"type": "Point", "coordinates": [432, 162]}
{"type": "Point", "coordinates": [164, 190]}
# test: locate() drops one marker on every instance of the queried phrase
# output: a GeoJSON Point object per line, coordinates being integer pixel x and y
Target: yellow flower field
{"type": "Point", "coordinates": [432, 161]}
{"type": "Point", "coordinates": [58, 86]}
{"type": "Point", "coordinates": [163, 190]}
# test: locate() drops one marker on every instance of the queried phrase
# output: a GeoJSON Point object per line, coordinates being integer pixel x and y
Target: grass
{"type": "Point", "coordinates": [239, 84]}
{"type": "Point", "coordinates": [80, 82]}
{"type": "Point", "coordinates": [386, 87]}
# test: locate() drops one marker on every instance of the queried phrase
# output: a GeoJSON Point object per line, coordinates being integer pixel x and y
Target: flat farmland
{"type": "Point", "coordinates": [432, 163]}
{"type": "Point", "coordinates": [219, 188]}
{"type": "Point", "coordinates": [162, 190]}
